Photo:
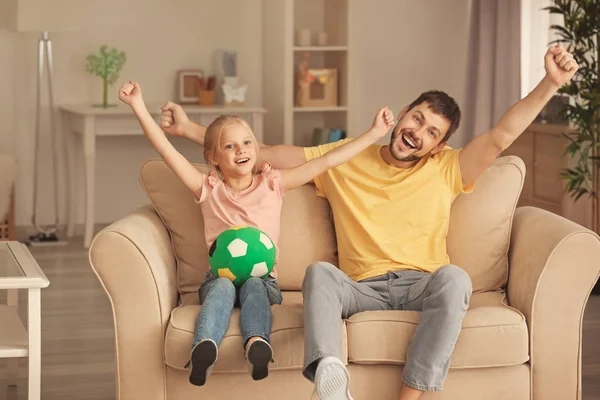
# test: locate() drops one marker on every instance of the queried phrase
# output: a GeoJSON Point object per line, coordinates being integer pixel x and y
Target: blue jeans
{"type": "Point", "coordinates": [218, 297]}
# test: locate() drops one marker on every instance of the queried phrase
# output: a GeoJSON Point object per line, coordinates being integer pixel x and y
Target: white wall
{"type": "Point", "coordinates": [159, 37]}
{"type": "Point", "coordinates": [401, 48]}
{"type": "Point", "coordinates": [536, 36]}
{"type": "Point", "coordinates": [398, 49]}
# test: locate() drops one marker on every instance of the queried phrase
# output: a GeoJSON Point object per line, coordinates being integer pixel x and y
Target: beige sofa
{"type": "Point", "coordinates": [532, 272]}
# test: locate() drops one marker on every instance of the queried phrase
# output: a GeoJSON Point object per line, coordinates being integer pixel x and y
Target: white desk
{"type": "Point", "coordinates": [86, 122]}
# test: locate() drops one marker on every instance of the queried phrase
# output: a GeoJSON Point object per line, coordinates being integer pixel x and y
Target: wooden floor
{"type": "Point", "coordinates": [77, 341]}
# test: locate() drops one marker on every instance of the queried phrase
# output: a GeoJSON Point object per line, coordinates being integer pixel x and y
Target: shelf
{"type": "Point", "coordinates": [320, 109]}
{"type": "Point", "coordinates": [321, 48]}
{"type": "Point", "coordinates": [13, 336]}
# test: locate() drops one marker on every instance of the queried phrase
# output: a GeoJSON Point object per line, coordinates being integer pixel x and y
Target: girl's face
{"type": "Point", "coordinates": [236, 152]}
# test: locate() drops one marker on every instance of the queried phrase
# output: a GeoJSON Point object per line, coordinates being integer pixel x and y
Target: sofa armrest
{"type": "Point", "coordinates": [134, 261]}
{"type": "Point", "coordinates": [554, 264]}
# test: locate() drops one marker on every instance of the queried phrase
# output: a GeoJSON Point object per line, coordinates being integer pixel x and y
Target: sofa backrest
{"type": "Point", "coordinates": [478, 238]}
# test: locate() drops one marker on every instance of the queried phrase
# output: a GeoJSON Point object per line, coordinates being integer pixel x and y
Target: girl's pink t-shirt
{"type": "Point", "coordinates": [258, 206]}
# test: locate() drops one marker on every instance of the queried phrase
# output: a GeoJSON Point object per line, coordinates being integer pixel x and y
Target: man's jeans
{"type": "Point", "coordinates": [219, 295]}
{"type": "Point", "coordinates": [443, 297]}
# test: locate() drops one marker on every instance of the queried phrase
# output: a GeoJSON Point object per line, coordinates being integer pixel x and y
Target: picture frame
{"type": "Point", "coordinates": [187, 85]}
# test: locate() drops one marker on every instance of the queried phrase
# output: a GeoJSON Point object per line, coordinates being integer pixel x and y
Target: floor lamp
{"type": "Point", "coordinates": [46, 16]}
{"type": "Point", "coordinates": [45, 235]}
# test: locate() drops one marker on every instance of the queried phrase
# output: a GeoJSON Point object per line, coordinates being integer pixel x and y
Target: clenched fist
{"type": "Point", "coordinates": [383, 122]}
{"type": "Point", "coordinates": [560, 65]}
{"type": "Point", "coordinates": [130, 93]}
{"type": "Point", "coordinates": [173, 120]}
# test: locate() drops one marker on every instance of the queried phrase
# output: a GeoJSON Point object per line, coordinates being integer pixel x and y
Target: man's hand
{"type": "Point", "coordinates": [131, 94]}
{"type": "Point", "coordinates": [173, 120]}
{"type": "Point", "coordinates": [481, 151]}
{"type": "Point", "coordinates": [560, 65]}
{"type": "Point", "coordinates": [383, 122]}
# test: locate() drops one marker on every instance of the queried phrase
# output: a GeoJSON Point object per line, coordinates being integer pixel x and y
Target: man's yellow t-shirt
{"type": "Point", "coordinates": [388, 218]}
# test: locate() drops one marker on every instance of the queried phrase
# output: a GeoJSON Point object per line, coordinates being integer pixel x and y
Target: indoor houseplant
{"type": "Point", "coordinates": [106, 64]}
{"type": "Point", "coordinates": [580, 34]}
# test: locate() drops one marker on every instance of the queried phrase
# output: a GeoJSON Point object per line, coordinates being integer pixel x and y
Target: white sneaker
{"type": "Point", "coordinates": [332, 381]}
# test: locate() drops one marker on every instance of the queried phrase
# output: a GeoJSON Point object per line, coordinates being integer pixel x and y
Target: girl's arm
{"type": "Point", "coordinates": [131, 94]}
{"type": "Point", "coordinates": [298, 176]}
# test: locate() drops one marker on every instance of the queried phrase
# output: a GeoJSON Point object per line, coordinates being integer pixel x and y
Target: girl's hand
{"type": "Point", "coordinates": [131, 93]}
{"type": "Point", "coordinates": [383, 122]}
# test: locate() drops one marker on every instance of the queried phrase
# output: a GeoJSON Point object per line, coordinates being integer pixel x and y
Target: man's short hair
{"type": "Point", "coordinates": [442, 104]}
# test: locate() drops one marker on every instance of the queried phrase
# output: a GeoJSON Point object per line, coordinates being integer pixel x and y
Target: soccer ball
{"type": "Point", "coordinates": [241, 253]}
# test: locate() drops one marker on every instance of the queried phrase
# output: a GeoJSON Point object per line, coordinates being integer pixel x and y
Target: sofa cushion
{"type": "Point", "coordinates": [306, 228]}
{"type": "Point", "coordinates": [480, 224]}
{"type": "Point", "coordinates": [287, 336]}
{"type": "Point", "coordinates": [478, 237]}
{"type": "Point", "coordinates": [493, 334]}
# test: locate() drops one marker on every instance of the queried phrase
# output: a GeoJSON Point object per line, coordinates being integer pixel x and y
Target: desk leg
{"type": "Point", "coordinates": [257, 126]}
{"type": "Point", "coordinates": [12, 364]}
{"type": "Point", "coordinates": [71, 176]}
{"type": "Point", "coordinates": [89, 151]}
{"type": "Point", "coordinates": [34, 328]}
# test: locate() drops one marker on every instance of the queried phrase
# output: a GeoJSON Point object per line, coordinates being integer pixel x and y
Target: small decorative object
{"type": "Point", "coordinates": [106, 64]}
{"type": "Point", "coordinates": [303, 37]}
{"type": "Point", "coordinates": [241, 253]}
{"type": "Point", "coordinates": [234, 95]}
{"type": "Point", "coordinates": [302, 77]}
{"type": "Point", "coordinates": [230, 63]}
{"type": "Point", "coordinates": [322, 39]}
{"type": "Point", "coordinates": [206, 91]}
{"type": "Point", "coordinates": [316, 87]}
{"type": "Point", "coordinates": [187, 85]}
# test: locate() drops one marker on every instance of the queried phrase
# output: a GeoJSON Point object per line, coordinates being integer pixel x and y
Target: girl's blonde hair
{"type": "Point", "coordinates": [212, 138]}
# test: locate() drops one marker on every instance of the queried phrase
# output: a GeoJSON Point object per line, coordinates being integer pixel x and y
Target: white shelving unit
{"type": "Point", "coordinates": [283, 19]}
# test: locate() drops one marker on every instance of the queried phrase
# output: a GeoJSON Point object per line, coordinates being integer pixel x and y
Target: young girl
{"type": "Point", "coordinates": [234, 194]}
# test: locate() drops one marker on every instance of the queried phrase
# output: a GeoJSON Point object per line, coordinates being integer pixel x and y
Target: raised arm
{"type": "Point", "coordinates": [174, 121]}
{"type": "Point", "coordinates": [131, 94]}
{"type": "Point", "coordinates": [294, 177]}
{"type": "Point", "coordinates": [481, 151]}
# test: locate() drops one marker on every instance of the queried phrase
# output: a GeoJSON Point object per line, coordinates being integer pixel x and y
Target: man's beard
{"type": "Point", "coordinates": [394, 150]}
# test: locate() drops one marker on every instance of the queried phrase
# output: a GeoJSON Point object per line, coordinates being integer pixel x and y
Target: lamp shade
{"type": "Point", "coordinates": [45, 15]}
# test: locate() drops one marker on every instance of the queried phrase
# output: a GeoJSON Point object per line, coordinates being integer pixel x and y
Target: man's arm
{"type": "Point", "coordinates": [174, 121]}
{"type": "Point", "coordinates": [481, 151]}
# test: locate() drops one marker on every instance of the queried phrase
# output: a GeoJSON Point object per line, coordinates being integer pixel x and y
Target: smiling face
{"type": "Point", "coordinates": [236, 154]}
{"type": "Point", "coordinates": [425, 128]}
{"type": "Point", "coordinates": [418, 133]}
{"type": "Point", "coordinates": [231, 146]}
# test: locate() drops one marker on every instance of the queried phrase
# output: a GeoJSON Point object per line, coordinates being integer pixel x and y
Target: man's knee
{"type": "Point", "coordinates": [453, 283]}
{"type": "Point", "coordinates": [321, 273]}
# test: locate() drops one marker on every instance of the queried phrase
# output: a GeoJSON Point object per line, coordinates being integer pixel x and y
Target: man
{"type": "Point", "coordinates": [391, 207]}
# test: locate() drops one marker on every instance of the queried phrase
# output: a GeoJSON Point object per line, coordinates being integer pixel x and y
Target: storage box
{"type": "Point", "coordinates": [317, 88]}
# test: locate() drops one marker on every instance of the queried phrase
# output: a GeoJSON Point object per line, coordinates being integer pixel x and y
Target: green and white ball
{"type": "Point", "coordinates": [241, 253]}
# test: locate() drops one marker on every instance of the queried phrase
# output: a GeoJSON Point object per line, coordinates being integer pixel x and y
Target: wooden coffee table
{"type": "Point", "coordinates": [19, 270]}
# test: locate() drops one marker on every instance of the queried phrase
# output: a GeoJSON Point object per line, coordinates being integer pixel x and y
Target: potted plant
{"type": "Point", "coordinates": [581, 36]}
{"type": "Point", "coordinates": [106, 64]}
